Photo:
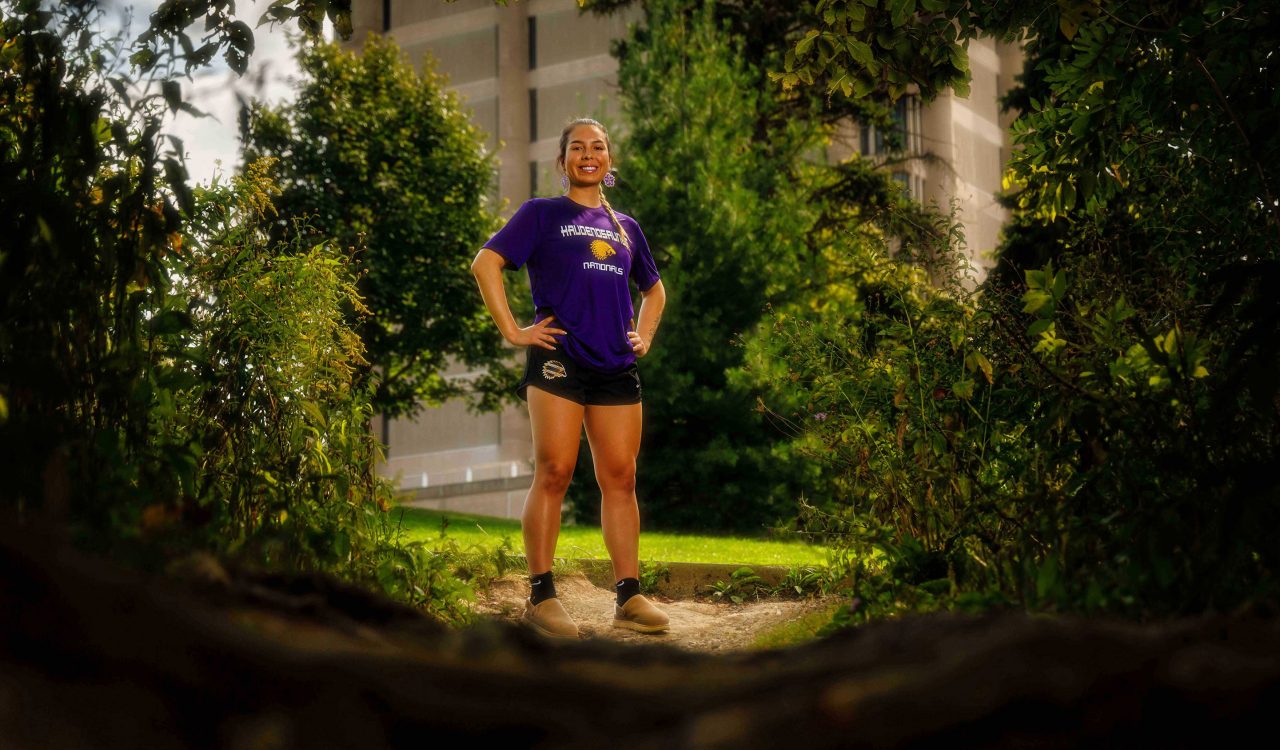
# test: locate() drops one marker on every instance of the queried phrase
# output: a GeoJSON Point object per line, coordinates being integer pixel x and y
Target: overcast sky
{"type": "Point", "coordinates": [269, 78]}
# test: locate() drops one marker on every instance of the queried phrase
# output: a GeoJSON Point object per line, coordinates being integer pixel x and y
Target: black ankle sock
{"type": "Point", "coordinates": [541, 587]}
{"type": "Point", "coordinates": [627, 588]}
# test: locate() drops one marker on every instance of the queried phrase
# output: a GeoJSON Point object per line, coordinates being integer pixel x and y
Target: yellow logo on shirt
{"type": "Point", "coordinates": [602, 249]}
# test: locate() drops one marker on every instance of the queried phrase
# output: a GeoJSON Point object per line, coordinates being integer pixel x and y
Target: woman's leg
{"type": "Point", "coordinates": [557, 429]}
{"type": "Point", "coordinates": [614, 435]}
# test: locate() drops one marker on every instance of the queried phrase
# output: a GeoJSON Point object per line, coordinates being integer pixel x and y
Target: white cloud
{"type": "Point", "coordinates": [270, 77]}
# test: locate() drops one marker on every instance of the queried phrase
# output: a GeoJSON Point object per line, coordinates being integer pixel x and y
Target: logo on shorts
{"type": "Point", "coordinates": [552, 369]}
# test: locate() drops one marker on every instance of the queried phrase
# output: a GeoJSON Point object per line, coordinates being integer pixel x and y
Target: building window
{"type": "Point", "coordinates": [533, 115]}
{"type": "Point", "coordinates": [533, 42]}
{"type": "Point", "coordinates": [904, 180]}
{"type": "Point", "coordinates": [912, 184]}
{"type": "Point", "coordinates": [906, 123]}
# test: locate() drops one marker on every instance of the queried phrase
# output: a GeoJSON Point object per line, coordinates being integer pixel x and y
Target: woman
{"type": "Point", "coordinates": [581, 364]}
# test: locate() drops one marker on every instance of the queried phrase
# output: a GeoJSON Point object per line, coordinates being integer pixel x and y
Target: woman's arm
{"type": "Point", "coordinates": [651, 306]}
{"type": "Point", "coordinates": [487, 268]}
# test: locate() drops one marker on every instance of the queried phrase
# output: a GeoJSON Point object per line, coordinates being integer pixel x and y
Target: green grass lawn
{"type": "Point", "coordinates": [587, 542]}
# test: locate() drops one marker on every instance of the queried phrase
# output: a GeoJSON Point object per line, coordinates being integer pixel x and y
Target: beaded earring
{"type": "Point", "coordinates": [609, 179]}
{"type": "Point", "coordinates": [564, 182]}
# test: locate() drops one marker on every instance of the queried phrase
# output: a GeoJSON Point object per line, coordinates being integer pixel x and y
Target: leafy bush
{"type": "Point", "coordinates": [170, 379]}
{"type": "Point", "coordinates": [1096, 429]}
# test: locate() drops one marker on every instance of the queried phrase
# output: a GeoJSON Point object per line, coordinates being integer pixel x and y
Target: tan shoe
{"type": "Point", "coordinates": [549, 618]}
{"type": "Point", "coordinates": [641, 615]}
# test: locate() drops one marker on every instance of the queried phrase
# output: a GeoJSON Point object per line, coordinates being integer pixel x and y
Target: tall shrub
{"type": "Point", "coordinates": [383, 160]}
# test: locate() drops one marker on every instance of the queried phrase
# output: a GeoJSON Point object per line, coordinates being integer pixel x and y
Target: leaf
{"type": "Point", "coordinates": [1068, 27]}
{"type": "Point", "coordinates": [121, 90]}
{"type": "Point", "coordinates": [177, 176]}
{"type": "Point", "coordinates": [1068, 196]}
{"type": "Point", "coordinates": [1039, 327]}
{"type": "Point", "coordinates": [314, 411]}
{"type": "Point", "coordinates": [172, 91]}
{"type": "Point", "coordinates": [237, 60]}
{"type": "Point", "coordinates": [1037, 302]}
{"type": "Point", "coordinates": [963, 388]}
{"type": "Point", "coordinates": [144, 59]}
{"type": "Point", "coordinates": [241, 36]}
{"type": "Point", "coordinates": [1080, 125]}
{"type": "Point", "coordinates": [203, 55]}
{"type": "Point", "coordinates": [981, 363]}
{"type": "Point", "coordinates": [802, 47]}
{"type": "Point", "coordinates": [1060, 285]}
{"type": "Point", "coordinates": [860, 51]}
{"type": "Point", "coordinates": [900, 10]}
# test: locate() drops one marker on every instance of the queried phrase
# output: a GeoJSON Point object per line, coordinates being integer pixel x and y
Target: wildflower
{"type": "Point", "coordinates": [820, 416]}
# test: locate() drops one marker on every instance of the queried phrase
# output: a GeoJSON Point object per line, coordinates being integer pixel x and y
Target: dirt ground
{"type": "Point", "coordinates": [704, 626]}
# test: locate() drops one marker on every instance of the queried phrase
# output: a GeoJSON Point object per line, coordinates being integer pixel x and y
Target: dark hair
{"type": "Point", "coordinates": [564, 144]}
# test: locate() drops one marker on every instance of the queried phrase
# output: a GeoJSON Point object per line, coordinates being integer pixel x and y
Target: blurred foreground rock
{"type": "Point", "coordinates": [93, 656]}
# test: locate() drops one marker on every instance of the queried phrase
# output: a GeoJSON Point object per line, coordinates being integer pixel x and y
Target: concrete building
{"type": "Point", "coordinates": [526, 68]}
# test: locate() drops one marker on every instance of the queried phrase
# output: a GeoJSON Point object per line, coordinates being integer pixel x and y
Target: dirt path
{"type": "Point", "coordinates": [695, 625]}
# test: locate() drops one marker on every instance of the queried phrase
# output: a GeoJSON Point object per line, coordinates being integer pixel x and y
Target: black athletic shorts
{"type": "Point", "coordinates": [556, 372]}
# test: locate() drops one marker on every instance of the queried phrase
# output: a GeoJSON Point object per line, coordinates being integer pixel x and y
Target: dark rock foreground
{"type": "Point", "coordinates": [95, 656]}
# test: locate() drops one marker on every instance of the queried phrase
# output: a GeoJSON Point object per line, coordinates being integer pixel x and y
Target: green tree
{"type": "Point", "coordinates": [384, 161]}
{"type": "Point", "coordinates": [1130, 335]}
{"type": "Point", "coordinates": [857, 192]}
{"type": "Point", "coordinates": [727, 216]}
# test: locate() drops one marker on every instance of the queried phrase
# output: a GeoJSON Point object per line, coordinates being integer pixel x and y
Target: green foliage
{"type": "Point", "coordinates": [87, 230]}
{"type": "Point", "coordinates": [834, 578]}
{"type": "Point", "coordinates": [653, 574]}
{"type": "Point", "coordinates": [173, 378]}
{"type": "Point", "coordinates": [897, 393]}
{"type": "Point", "coordinates": [1106, 418]}
{"type": "Point", "coordinates": [384, 162]}
{"type": "Point", "coordinates": [255, 391]}
{"type": "Point", "coordinates": [1146, 148]}
{"type": "Point", "coordinates": [742, 583]}
{"type": "Point", "coordinates": [233, 37]}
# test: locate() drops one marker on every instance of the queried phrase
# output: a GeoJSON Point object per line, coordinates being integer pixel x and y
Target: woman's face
{"type": "Point", "coordinates": [586, 156]}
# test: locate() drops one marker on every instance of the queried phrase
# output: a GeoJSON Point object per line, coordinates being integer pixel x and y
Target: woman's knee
{"type": "Point", "coordinates": [617, 478]}
{"type": "Point", "coordinates": [553, 475]}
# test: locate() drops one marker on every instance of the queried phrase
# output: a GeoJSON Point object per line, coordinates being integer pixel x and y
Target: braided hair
{"type": "Point", "coordinates": [564, 143]}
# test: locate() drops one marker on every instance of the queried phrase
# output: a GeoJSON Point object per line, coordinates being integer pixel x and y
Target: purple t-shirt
{"type": "Point", "coordinates": [578, 271]}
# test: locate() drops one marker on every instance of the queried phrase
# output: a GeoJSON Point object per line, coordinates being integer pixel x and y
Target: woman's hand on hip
{"type": "Point", "coordinates": [638, 344]}
{"type": "Point", "coordinates": [538, 334]}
